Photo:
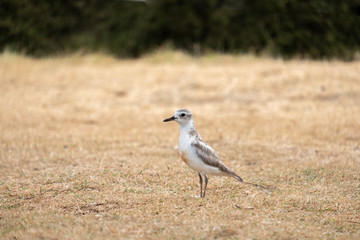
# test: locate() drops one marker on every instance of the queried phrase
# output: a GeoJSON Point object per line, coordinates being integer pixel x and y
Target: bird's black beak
{"type": "Point", "coordinates": [169, 119]}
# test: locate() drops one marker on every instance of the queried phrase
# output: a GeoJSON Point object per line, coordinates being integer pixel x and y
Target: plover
{"type": "Point", "coordinates": [196, 153]}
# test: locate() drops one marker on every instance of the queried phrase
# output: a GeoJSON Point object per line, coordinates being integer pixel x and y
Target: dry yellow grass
{"type": "Point", "coordinates": [85, 155]}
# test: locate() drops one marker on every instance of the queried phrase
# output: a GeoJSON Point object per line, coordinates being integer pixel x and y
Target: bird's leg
{"type": "Point", "coordinates": [206, 182]}
{"type": "Point", "coordinates": [201, 181]}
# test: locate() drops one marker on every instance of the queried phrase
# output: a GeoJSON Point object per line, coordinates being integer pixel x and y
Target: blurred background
{"type": "Point", "coordinates": [317, 29]}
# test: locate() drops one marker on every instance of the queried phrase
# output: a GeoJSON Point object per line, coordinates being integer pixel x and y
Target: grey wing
{"type": "Point", "coordinates": [209, 156]}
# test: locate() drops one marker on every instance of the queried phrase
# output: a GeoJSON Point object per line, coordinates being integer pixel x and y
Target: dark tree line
{"type": "Point", "coordinates": [311, 29]}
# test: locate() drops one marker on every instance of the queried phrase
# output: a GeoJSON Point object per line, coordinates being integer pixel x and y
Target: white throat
{"type": "Point", "coordinates": [185, 138]}
{"type": "Point", "coordinates": [187, 127]}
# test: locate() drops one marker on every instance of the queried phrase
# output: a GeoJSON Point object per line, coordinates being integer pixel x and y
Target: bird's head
{"type": "Point", "coordinates": [182, 116]}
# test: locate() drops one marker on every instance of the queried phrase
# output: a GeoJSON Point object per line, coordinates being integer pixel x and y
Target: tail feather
{"type": "Point", "coordinates": [237, 177]}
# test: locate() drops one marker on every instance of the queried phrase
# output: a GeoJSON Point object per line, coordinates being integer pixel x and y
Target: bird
{"type": "Point", "coordinates": [197, 154]}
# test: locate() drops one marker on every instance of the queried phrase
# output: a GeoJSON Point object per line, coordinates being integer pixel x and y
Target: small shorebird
{"type": "Point", "coordinates": [196, 153]}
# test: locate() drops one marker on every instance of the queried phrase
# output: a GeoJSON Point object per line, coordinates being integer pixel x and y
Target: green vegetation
{"type": "Point", "coordinates": [307, 29]}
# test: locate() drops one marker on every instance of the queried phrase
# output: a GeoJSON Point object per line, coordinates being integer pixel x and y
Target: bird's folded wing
{"type": "Point", "coordinates": [209, 156]}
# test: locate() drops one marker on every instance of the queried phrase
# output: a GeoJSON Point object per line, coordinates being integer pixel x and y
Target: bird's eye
{"type": "Point", "coordinates": [183, 115]}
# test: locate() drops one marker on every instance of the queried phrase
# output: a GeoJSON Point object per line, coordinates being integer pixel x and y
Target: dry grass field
{"type": "Point", "coordinates": [85, 154]}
